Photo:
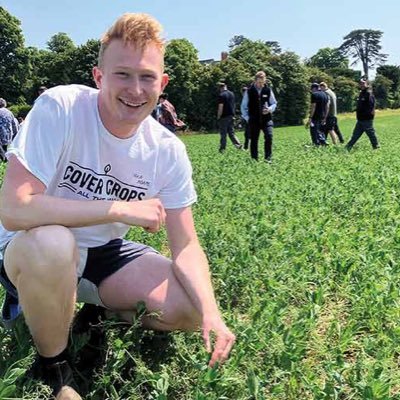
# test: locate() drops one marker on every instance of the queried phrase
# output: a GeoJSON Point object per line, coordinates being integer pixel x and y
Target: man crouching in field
{"type": "Point", "coordinates": [87, 165]}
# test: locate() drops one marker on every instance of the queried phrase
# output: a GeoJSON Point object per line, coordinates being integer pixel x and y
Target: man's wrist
{"type": "Point", "coordinates": [116, 211]}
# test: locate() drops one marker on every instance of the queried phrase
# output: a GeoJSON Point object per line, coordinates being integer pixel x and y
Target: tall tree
{"type": "Point", "coordinates": [274, 46]}
{"type": "Point", "coordinates": [235, 41]}
{"type": "Point", "coordinates": [85, 58]}
{"type": "Point", "coordinates": [13, 58]}
{"type": "Point", "coordinates": [255, 54]}
{"type": "Point", "coordinates": [291, 88]}
{"type": "Point", "coordinates": [364, 45]}
{"type": "Point", "coordinates": [328, 58]}
{"type": "Point", "coordinates": [182, 65]}
{"type": "Point", "coordinates": [346, 90]}
{"type": "Point", "coordinates": [58, 61]}
{"type": "Point", "coordinates": [391, 72]}
{"type": "Point", "coordinates": [382, 92]}
{"type": "Point", "coordinates": [38, 72]}
{"type": "Point", "coordinates": [60, 43]}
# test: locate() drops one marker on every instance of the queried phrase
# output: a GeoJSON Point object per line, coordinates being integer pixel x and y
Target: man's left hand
{"type": "Point", "coordinates": [224, 339]}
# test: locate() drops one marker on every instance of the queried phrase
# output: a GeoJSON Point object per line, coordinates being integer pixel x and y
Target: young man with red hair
{"type": "Point", "coordinates": [87, 165]}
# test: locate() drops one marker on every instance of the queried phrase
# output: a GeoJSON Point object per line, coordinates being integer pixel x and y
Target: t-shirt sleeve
{"type": "Point", "coordinates": [313, 98]}
{"type": "Point", "coordinates": [41, 139]}
{"type": "Point", "coordinates": [220, 99]}
{"type": "Point", "coordinates": [178, 190]}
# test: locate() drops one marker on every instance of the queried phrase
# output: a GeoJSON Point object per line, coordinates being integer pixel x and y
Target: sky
{"type": "Point", "coordinates": [301, 26]}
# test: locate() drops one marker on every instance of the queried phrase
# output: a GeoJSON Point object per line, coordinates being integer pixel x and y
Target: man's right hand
{"type": "Point", "coordinates": [149, 214]}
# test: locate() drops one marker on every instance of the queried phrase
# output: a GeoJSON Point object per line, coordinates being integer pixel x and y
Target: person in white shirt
{"type": "Point", "coordinates": [86, 166]}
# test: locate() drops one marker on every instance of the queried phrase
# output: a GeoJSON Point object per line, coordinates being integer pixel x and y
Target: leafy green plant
{"type": "Point", "coordinates": [304, 258]}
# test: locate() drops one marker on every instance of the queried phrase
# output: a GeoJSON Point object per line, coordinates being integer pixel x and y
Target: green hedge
{"type": "Point", "coordinates": [20, 110]}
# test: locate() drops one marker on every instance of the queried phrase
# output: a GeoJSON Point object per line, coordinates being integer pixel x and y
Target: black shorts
{"type": "Point", "coordinates": [330, 123]}
{"type": "Point", "coordinates": [95, 265]}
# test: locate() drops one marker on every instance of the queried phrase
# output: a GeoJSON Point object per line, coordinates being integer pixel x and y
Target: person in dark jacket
{"type": "Point", "coordinates": [225, 115]}
{"type": "Point", "coordinates": [257, 106]}
{"type": "Point", "coordinates": [318, 112]}
{"type": "Point", "coordinates": [365, 116]}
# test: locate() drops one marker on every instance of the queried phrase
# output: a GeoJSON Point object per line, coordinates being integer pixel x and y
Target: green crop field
{"type": "Point", "coordinates": [305, 258]}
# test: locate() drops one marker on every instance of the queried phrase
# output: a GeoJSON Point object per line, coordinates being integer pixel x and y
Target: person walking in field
{"type": "Point", "coordinates": [365, 116]}
{"type": "Point", "coordinates": [258, 105]}
{"type": "Point", "coordinates": [318, 112]}
{"type": "Point", "coordinates": [225, 115]}
{"type": "Point", "coordinates": [331, 125]}
{"type": "Point", "coordinates": [87, 165]}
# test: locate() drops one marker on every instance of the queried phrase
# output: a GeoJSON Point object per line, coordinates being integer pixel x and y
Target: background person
{"type": "Point", "coordinates": [245, 125]}
{"type": "Point", "coordinates": [41, 90]}
{"type": "Point", "coordinates": [86, 166]}
{"type": "Point", "coordinates": [331, 126]}
{"type": "Point", "coordinates": [365, 116]}
{"type": "Point", "coordinates": [8, 128]}
{"type": "Point", "coordinates": [258, 105]}
{"type": "Point", "coordinates": [167, 114]}
{"type": "Point", "coordinates": [225, 116]}
{"type": "Point", "coordinates": [318, 112]}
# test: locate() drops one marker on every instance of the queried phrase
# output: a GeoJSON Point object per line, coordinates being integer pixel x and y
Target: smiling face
{"type": "Point", "coordinates": [130, 81]}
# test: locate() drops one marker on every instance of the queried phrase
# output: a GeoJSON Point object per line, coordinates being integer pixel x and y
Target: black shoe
{"type": "Point", "coordinates": [59, 377]}
{"type": "Point", "coordinates": [239, 146]}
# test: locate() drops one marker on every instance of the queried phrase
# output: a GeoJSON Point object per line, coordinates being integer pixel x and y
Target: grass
{"type": "Point", "coordinates": [304, 255]}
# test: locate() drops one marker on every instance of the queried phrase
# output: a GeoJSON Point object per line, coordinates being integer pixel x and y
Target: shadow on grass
{"type": "Point", "coordinates": [106, 351]}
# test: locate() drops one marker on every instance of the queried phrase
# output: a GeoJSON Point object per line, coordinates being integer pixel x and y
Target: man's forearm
{"type": "Point", "coordinates": [219, 110]}
{"type": "Point", "coordinates": [41, 209]}
{"type": "Point", "coordinates": [191, 268]}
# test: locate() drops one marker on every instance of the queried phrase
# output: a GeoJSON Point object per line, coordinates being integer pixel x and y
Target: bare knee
{"type": "Point", "coordinates": [46, 252]}
{"type": "Point", "coordinates": [183, 316]}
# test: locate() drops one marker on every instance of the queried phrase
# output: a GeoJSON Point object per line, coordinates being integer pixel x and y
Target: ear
{"type": "Point", "coordinates": [97, 76]}
{"type": "Point", "coordinates": [164, 81]}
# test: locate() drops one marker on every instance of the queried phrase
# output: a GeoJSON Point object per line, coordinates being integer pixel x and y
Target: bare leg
{"type": "Point", "coordinates": [333, 136]}
{"type": "Point", "coordinates": [150, 278]}
{"type": "Point", "coordinates": [41, 263]}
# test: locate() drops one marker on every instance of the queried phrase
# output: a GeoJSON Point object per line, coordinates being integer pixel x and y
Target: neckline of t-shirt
{"type": "Point", "coordinates": [107, 134]}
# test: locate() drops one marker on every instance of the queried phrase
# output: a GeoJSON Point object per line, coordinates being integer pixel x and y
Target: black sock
{"type": "Point", "coordinates": [63, 356]}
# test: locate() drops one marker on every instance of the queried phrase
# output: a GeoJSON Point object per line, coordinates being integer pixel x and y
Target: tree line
{"type": "Point", "coordinates": [193, 84]}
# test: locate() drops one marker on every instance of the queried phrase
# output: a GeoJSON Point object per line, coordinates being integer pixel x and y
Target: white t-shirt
{"type": "Point", "coordinates": [65, 145]}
